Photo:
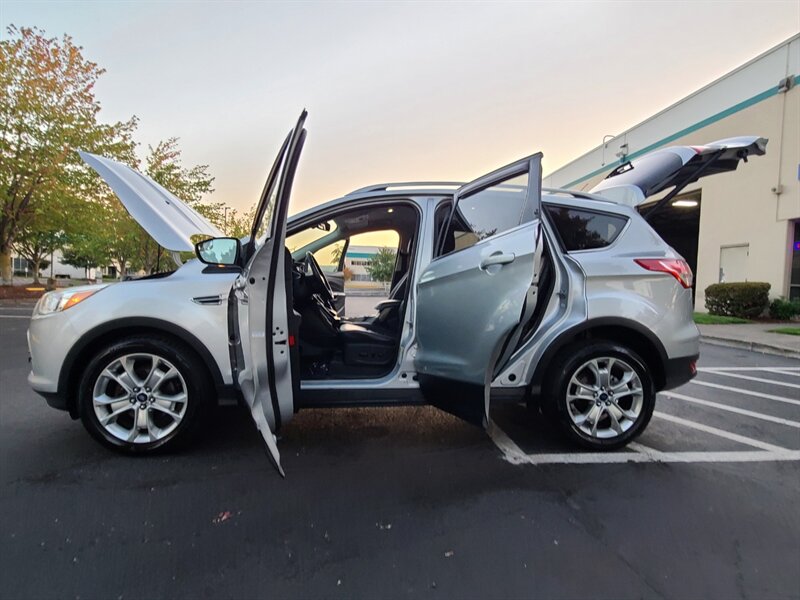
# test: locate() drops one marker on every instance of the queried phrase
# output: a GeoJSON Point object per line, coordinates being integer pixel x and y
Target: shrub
{"type": "Point", "coordinates": [745, 299]}
{"type": "Point", "coordinates": [783, 309]}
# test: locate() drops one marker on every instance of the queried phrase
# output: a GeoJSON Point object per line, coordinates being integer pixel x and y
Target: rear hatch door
{"type": "Point", "coordinates": [633, 182]}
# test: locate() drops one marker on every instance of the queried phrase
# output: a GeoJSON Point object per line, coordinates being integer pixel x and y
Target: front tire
{"type": "Point", "coordinates": [602, 395]}
{"type": "Point", "coordinates": [144, 394]}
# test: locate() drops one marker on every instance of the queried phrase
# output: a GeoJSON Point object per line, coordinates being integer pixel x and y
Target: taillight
{"type": "Point", "coordinates": [677, 267]}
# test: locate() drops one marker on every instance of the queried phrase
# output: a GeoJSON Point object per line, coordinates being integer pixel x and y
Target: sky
{"type": "Point", "coordinates": [398, 91]}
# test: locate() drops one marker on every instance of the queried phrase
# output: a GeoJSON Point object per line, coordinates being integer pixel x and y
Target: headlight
{"type": "Point", "coordinates": [52, 302]}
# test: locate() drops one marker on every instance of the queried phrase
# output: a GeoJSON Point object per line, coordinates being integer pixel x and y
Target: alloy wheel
{"type": "Point", "coordinates": [604, 397]}
{"type": "Point", "coordinates": [140, 398]}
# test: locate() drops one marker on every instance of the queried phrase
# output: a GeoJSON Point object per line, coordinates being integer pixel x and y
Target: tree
{"type": "Point", "coordinates": [48, 110]}
{"type": "Point", "coordinates": [164, 166]}
{"type": "Point", "coordinates": [237, 224]}
{"type": "Point", "coordinates": [336, 254]}
{"type": "Point", "coordinates": [382, 266]}
{"type": "Point", "coordinates": [35, 243]}
{"type": "Point", "coordinates": [85, 251]}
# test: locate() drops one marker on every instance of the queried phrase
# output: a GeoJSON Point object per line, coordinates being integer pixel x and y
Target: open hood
{"type": "Point", "coordinates": [170, 221]}
{"type": "Point", "coordinates": [633, 182]}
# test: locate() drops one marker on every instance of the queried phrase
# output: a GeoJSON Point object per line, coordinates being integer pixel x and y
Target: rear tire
{"type": "Point", "coordinates": [601, 394]}
{"type": "Point", "coordinates": [143, 394]}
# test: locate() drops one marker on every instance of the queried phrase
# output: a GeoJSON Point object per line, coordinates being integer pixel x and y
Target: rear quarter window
{"type": "Point", "coordinates": [581, 229]}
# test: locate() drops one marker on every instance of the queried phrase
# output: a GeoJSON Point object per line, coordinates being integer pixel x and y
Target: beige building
{"type": "Point", "coordinates": [739, 226]}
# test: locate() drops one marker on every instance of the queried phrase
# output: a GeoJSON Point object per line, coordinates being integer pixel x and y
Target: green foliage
{"type": "Point", "coordinates": [740, 299]}
{"type": "Point", "coordinates": [783, 309]}
{"type": "Point", "coordinates": [382, 265]}
{"type": "Point", "coordinates": [706, 319]}
{"type": "Point", "coordinates": [336, 255]}
{"type": "Point", "coordinates": [787, 330]}
{"type": "Point", "coordinates": [47, 111]}
{"type": "Point", "coordinates": [85, 251]}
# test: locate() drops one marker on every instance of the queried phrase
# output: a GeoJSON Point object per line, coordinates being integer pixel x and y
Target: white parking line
{"type": "Point", "coordinates": [787, 371]}
{"type": "Point", "coordinates": [513, 454]}
{"type": "Point", "coordinates": [14, 317]}
{"type": "Point", "coordinates": [728, 435]}
{"type": "Point", "coordinates": [749, 369]}
{"type": "Point", "coordinates": [744, 391]}
{"type": "Point", "coordinates": [733, 409]}
{"type": "Point", "coordinates": [758, 379]}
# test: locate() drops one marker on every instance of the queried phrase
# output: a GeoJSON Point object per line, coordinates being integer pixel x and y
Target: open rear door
{"type": "Point", "coordinates": [264, 352]}
{"type": "Point", "coordinates": [479, 288]}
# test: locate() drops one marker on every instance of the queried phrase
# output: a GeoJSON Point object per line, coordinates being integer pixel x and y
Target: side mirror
{"type": "Point", "coordinates": [219, 251]}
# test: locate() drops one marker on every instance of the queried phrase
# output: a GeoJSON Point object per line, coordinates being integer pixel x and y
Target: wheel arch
{"type": "Point", "coordinates": [613, 329]}
{"type": "Point", "coordinates": [88, 344]}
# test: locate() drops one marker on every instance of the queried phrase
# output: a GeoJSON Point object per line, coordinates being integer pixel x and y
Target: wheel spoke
{"type": "Point", "coordinates": [623, 383]}
{"type": "Point", "coordinates": [628, 414]}
{"type": "Point", "coordinates": [624, 393]}
{"type": "Point", "coordinates": [130, 376]}
{"type": "Point", "coordinates": [591, 416]}
{"type": "Point", "coordinates": [179, 398]}
{"type": "Point", "coordinates": [123, 382]}
{"type": "Point", "coordinates": [615, 425]}
{"type": "Point", "coordinates": [589, 388]}
{"type": "Point", "coordinates": [152, 429]}
{"type": "Point", "coordinates": [112, 416]}
{"type": "Point", "coordinates": [156, 379]}
{"type": "Point", "coordinates": [594, 367]}
{"type": "Point", "coordinates": [105, 400]}
{"type": "Point", "coordinates": [157, 406]}
{"type": "Point", "coordinates": [596, 421]}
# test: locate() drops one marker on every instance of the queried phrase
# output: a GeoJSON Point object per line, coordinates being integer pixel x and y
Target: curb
{"type": "Point", "coordinates": [752, 346]}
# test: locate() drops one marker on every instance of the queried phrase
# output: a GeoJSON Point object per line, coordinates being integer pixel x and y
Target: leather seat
{"type": "Point", "coordinates": [353, 333]}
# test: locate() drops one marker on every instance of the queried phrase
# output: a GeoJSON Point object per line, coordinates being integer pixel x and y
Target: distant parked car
{"type": "Point", "coordinates": [501, 291]}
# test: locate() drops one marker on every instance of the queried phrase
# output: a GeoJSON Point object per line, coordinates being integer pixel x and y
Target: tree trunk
{"type": "Point", "coordinates": [36, 264]}
{"type": "Point", "coordinates": [6, 268]}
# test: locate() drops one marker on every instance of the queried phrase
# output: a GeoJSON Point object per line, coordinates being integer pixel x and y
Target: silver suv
{"type": "Point", "coordinates": [500, 291]}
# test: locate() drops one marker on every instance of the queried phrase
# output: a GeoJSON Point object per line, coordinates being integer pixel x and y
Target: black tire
{"type": "Point", "coordinates": [554, 400]}
{"type": "Point", "coordinates": [199, 392]}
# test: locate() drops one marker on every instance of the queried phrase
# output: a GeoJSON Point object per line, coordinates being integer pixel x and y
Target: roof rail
{"type": "Point", "coordinates": [426, 185]}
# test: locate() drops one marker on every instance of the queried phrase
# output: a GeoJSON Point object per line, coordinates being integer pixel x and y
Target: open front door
{"type": "Point", "coordinates": [479, 288]}
{"type": "Point", "coordinates": [264, 353]}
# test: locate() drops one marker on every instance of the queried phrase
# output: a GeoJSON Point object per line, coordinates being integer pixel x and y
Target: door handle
{"type": "Point", "coordinates": [498, 258]}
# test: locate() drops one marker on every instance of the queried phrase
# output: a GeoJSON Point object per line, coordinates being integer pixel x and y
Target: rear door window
{"type": "Point", "coordinates": [487, 213]}
{"type": "Point", "coordinates": [581, 229]}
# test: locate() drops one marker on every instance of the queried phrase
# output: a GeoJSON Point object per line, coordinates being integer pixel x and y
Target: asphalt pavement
{"type": "Point", "coordinates": [411, 502]}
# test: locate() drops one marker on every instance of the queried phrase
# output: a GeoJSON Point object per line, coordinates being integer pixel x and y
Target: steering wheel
{"type": "Point", "coordinates": [326, 291]}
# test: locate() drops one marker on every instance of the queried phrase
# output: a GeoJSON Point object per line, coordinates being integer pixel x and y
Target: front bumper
{"type": "Point", "coordinates": [678, 371]}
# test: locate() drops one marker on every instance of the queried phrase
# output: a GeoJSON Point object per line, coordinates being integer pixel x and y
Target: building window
{"type": "Point", "coordinates": [794, 281]}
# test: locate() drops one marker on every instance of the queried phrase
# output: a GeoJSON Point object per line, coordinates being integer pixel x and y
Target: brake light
{"type": "Point", "coordinates": [677, 267]}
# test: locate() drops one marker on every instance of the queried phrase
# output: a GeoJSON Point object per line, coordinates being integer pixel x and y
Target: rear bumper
{"type": "Point", "coordinates": [678, 371]}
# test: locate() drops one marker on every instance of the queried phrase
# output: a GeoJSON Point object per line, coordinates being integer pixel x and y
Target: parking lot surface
{"type": "Point", "coordinates": [411, 502]}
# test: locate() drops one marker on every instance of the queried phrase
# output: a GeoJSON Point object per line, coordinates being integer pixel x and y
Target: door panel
{"type": "Point", "coordinates": [471, 300]}
{"type": "Point", "coordinates": [267, 326]}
